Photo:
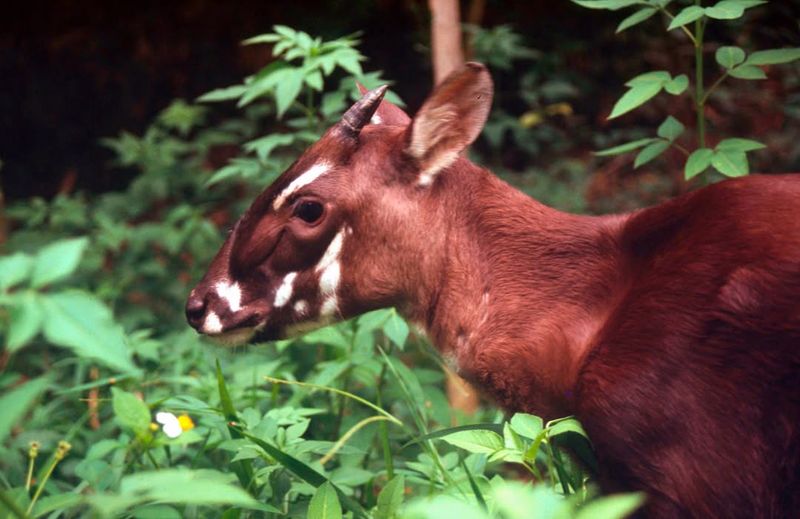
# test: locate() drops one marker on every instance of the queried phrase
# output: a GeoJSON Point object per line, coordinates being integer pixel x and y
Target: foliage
{"type": "Point", "coordinates": [729, 156]}
{"type": "Point", "coordinates": [112, 407]}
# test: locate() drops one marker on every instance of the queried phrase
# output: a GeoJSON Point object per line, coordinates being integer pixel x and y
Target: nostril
{"type": "Point", "coordinates": [195, 310]}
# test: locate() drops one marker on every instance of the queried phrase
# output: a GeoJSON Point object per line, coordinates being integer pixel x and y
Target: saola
{"type": "Point", "coordinates": [672, 333]}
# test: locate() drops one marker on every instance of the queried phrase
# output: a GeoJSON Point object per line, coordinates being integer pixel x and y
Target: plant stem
{"type": "Point", "coordinates": [714, 86]}
{"type": "Point", "coordinates": [700, 99]}
{"type": "Point", "coordinates": [384, 433]}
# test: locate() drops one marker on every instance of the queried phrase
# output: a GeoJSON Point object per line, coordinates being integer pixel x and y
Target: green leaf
{"type": "Point", "coordinates": [566, 425]}
{"type": "Point", "coordinates": [611, 5]}
{"type": "Point", "coordinates": [60, 502]}
{"type": "Point", "coordinates": [636, 18]}
{"type": "Point", "coordinates": [686, 15]}
{"type": "Point", "coordinates": [635, 97]}
{"type": "Point", "coordinates": [739, 145]}
{"type": "Point", "coordinates": [223, 94]}
{"type": "Point", "coordinates": [14, 269]}
{"type": "Point", "coordinates": [650, 152]}
{"type": "Point", "coordinates": [25, 320]}
{"type": "Point", "coordinates": [730, 163]}
{"type": "Point", "coordinates": [130, 412]}
{"type": "Point", "coordinates": [654, 76]}
{"type": "Point", "coordinates": [478, 441]}
{"type": "Point", "coordinates": [390, 498]}
{"type": "Point", "coordinates": [14, 502]}
{"type": "Point", "coordinates": [57, 261]}
{"type": "Point", "coordinates": [725, 10]}
{"type": "Point", "coordinates": [196, 487]}
{"type": "Point", "coordinates": [264, 146]}
{"type": "Point", "coordinates": [496, 428]}
{"type": "Point", "coordinates": [611, 507]}
{"type": "Point", "coordinates": [773, 56]}
{"type": "Point", "coordinates": [324, 504]}
{"type": "Point", "coordinates": [527, 425]}
{"type": "Point", "coordinates": [697, 162]}
{"type": "Point", "coordinates": [79, 321]}
{"type": "Point", "coordinates": [678, 85]}
{"type": "Point", "coordinates": [288, 89]}
{"type": "Point", "coordinates": [670, 129]}
{"type": "Point", "coordinates": [747, 72]}
{"type": "Point", "coordinates": [15, 404]}
{"type": "Point", "coordinates": [729, 56]}
{"type": "Point", "coordinates": [625, 148]}
{"type": "Point", "coordinates": [314, 80]}
{"type": "Point", "coordinates": [396, 329]}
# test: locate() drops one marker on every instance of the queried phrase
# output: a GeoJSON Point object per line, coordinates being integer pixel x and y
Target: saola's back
{"type": "Point", "coordinates": [699, 364]}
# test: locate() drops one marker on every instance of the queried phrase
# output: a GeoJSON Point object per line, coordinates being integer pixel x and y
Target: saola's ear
{"type": "Point", "coordinates": [387, 113]}
{"type": "Point", "coordinates": [450, 119]}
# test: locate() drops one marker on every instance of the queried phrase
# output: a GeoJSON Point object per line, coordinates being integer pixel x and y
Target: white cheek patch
{"type": "Point", "coordinates": [300, 308]}
{"type": "Point", "coordinates": [231, 294]}
{"type": "Point", "coordinates": [376, 119]}
{"type": "Point", "coordinates": [212, 324]}
{"type": "Point", "coordinates": [284, 292]}
{"type": "Point", "coordinates": [330, 274]}
{"type": "Point", "coordinates": [309, 176]}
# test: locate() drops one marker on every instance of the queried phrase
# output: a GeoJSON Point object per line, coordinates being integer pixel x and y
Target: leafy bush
{"type": "Point", "coordinates": [112, 407]}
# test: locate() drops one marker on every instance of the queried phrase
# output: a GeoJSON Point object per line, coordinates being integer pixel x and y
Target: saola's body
{"type": "Point", "coordinates": [673, 333]}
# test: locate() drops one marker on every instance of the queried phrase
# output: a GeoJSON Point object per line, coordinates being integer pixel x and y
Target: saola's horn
{"type": "Point", "coordinates": [358, 115]}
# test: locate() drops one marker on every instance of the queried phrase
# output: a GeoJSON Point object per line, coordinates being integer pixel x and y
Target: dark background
{"type": "Point", "coordinates": [74, 72]}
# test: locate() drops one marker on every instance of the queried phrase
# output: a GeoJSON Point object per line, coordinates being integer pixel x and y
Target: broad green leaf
{"type": "Point", "coordinates": [324, 504]}
{"type": "Point", "coordinates": [264, 146]}
{"type": "Point", "coordinates": [697, 162]}
{"type": "Point", "coordinates": [635, 97]}
{"type": "Point", "coordinates": [288, 89]}
{"type": "Point", "coordinates": [60, 502]}
{"type": "Point", "coordinates": [611, 5]}
{"type": "Point", "coordinates": [670, 129]}
{"type": "Point", "coordinates": [262, 38]}
{"type": "Point", "coordinates": [678, 85]}
{"type": "Point", "coordinates": [314, 80]}
{"type": "Point", "coordinates": [625, 148]}
{"type": "Point", "coordinates": [79, 321]}
{"type": "Point", "coordinates": [611, 507]}
{"type": "Point", "coordinates": [566, 425]}
{"type": "Point", "coordinates": [443, 506]}
{"type": "Point", "coordinates": [14, 502]}
{"type": "Point", "coordinates": [650, 152]}
{"type": "Point", "coordinates": [739, 145]}
{"type": "Point", "coordinates": [496, 428]}
{"type": "Point", "coordinates": [396, 329]}
{"type": "Point", "coordinates": [57, 261]}
{"type": "Point", "coordinates": [196, 487]}
{"type": "Point", "coordinates": [223, 94]}
{"type": "Point", "coordinates": [729, 56]}
{"type": "Point", "coordinates": [730, 163]}
{"type": "Point", "coordinates": [14, 269]}
{"type": "Point", "coordinates": [15, 404]}
{"type": "Point", "coordinates": [25, 320]}
{"type": "Point", "coordinates": [725, 10]}
{"type": "Point", "coordinates": [686, 15]}
{"type": "Point", "coordinates": [747, 72]}
{"type": "Point", "coordinates": [157, 512]}
{"type": "Point", "coordinates": [130, 412]}
{"type": "Point", "coordinates": [773, 56]}
{"type": "Point", "coordinates": [636, 18]}
{"type": "Point", "coordinates": [478, 441]}
{"type": "Point", "coordinates": [527, 425]}
{"type": "Point", "coordinates": [654, 76]}
{"type": "Point", "coordinates": [265, 81]}
{"type": "Point", "coordinates": [390, 498]}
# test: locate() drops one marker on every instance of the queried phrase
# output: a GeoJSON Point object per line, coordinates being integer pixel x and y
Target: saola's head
{"type": "Point", "coordinates": [345, 229]}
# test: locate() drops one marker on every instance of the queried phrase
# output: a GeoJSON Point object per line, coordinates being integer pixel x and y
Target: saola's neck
{"type": "Point", "coordinates": [524, 291]}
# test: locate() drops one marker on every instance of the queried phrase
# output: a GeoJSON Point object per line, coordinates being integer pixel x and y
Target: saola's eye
{"type": "Point", "coordinates": [308, 211]}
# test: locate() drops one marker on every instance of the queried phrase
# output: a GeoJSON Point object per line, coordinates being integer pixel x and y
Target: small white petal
{"type": "Point", "coordinates": [166, 418]}
{"type": "Point", "coordinates": [173, 430]}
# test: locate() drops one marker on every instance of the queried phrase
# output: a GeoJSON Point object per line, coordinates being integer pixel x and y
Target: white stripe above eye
{"type": "Point", "coordinates": [309, 176]}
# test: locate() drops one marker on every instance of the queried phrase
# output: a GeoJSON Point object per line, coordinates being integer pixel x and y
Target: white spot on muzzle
{"type": "Point", "coordinates": [284, 292]}
{"type": "Point", "coordinates": [231, 294]}
{"type": "Point", "coordinates": [330, 272]}
{"type": "Point", "coordinates": [309, 176]}
{"type": "Point", "coordinates": [301, 307]}
{"type": "Point", "coordinates": [212, 325]}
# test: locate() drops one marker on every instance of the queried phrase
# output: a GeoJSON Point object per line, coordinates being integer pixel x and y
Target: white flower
{"type": "Point", "coordinates": [173, 425]}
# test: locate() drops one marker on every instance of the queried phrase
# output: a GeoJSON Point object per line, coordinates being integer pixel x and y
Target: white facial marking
{"type": "Point", "coordinates": [284, 292]}
{"type": "Point", "coordinates": [309, 176]}
{"type": "Point", "coordinates": [230, 293]}
{"type": "Point", "coordinates": [301, 307]}
{"type": "Point", "coordinates": [212, 324]}
{"type": "Point", "coordinates": [376, 119]}
{"type": "Point", "coordinates": [330, 273]}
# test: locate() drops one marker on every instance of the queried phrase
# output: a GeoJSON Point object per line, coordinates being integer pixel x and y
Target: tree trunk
{"type": "Point", "coordinates": [447, 54]}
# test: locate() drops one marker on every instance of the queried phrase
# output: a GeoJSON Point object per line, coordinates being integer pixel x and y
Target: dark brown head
{"type": "Point", "coordinates": [350, 226]}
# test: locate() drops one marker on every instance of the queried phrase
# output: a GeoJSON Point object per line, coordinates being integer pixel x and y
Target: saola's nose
{"type": "Point", "coordinates": [195, 310]}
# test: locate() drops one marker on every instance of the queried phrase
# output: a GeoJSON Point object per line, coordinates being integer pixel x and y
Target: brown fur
{"type": "Point", "coordinates": [672, 333]}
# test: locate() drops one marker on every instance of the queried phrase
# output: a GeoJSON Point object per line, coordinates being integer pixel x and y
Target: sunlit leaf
{"type": "Point", "coordinates": [57, 260]}
{"type": "Point", "coordinates": [650, 152]}
{"type": "Point", "coordinates": [686, 15]}
{"type": "Point", "coordinates": [325, 503]}
{"type": "Point", "coordinates": [677, 85]}
{"type": "Point", "coordinates": [129, 411]}
{"type": "Point", "coordinates": [747, 72]}
{"type": "Point", "coordinates": [729, 56]}
{"type": "Point", "coordinates": [671, 129]}
{"type": "Point", "coordinates": [635, 97]}
{"type": "Point", "coordinates": [25, 320]}
{"type": "Point", "coordinates": [697, 162]}
{"type": "Point", "coordinates": [478, 441]}
{"type": "Point", "coordinates": [625, 148]}
{"type": "Point", "coordinates": [14, 269]}
{"type": "Point", "coordinates": [636, 18]}
{"type": "Point", "coordinates": [16, 402]}
{"type": "Point", "coordinates": [739, 145]}
{"type": "Point", "coordinates": [773, 56]}
{"type": "Point", "coordinates": [390, 498]}
{"type": "Point", "coordinates": [730, 163]}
